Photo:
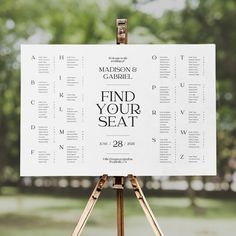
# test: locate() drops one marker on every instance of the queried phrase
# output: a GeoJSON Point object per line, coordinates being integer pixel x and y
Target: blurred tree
{"type": "Point", "coordinates": [46, 21]}
{"type": "Point", "coordinates": [77, 21]}
{"type": "Point", "coordinates": [213, 22]}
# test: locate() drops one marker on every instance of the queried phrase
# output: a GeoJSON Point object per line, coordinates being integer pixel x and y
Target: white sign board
{"type": "Point", "coordinates": [88, 110]}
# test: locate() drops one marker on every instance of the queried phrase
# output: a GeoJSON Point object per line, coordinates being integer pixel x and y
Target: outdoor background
{"type": "Point", "coordinates": [202, 206]}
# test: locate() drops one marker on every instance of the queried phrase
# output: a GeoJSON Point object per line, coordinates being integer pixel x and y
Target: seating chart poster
{"type": "Point", "coordinates": [88, 110]}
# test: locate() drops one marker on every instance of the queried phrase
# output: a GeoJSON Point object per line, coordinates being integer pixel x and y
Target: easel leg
{"type": "Point", "coordinates": [120, 212]}
{"type": "Point", "coordinates": [90, 205]}
{"type": "Point", "coordinates": [118, 184]}
{"type": "Point", "coordinates": [144, 204]}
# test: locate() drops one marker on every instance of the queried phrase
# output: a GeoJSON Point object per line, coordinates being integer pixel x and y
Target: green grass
{"type": "Point", "coordinates": [46, 215]}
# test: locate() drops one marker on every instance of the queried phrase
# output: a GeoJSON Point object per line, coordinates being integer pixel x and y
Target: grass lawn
{"type": "Point", "coordinates": [33, 215]}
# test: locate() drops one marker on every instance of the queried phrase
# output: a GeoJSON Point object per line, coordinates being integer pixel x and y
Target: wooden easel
{"type": "Point", "coordinates": [118, 181]}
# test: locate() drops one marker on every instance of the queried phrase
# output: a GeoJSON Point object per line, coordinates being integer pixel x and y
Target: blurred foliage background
{"type": "Point", "coordinates": [93, 22]}
{"type": "Point", "coordinates": [76, 21]}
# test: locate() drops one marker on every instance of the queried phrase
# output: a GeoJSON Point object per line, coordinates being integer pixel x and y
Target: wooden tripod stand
{"type": "Point", "coordinates": [118, 184]}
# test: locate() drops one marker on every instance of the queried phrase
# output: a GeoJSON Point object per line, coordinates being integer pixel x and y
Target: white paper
{"type": "Point", "coordinates": [73, 97]}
